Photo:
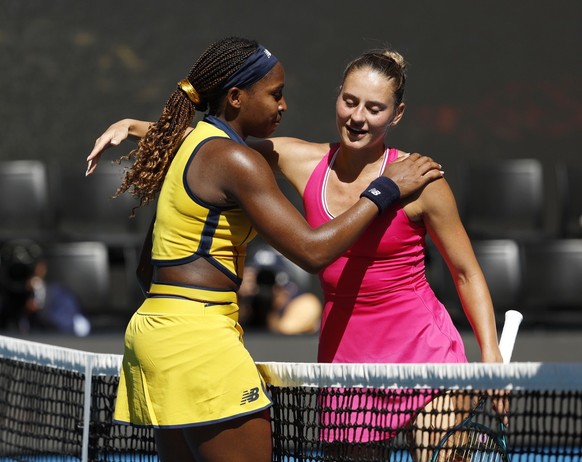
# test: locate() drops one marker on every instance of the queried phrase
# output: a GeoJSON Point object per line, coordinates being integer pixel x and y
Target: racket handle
{"type": "Point", "coordinates": [513, 319]}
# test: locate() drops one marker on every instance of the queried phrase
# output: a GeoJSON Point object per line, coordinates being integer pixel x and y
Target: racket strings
{"type": "Point", "coordinates": [471, 445]}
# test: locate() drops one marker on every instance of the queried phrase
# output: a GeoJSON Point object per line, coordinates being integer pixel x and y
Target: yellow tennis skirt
{"type": "Point", "coordinates": [184, 362]}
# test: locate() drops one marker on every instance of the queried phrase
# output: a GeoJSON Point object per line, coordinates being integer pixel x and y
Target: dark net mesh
{"type": "Point", "coordinates": [44, 413]}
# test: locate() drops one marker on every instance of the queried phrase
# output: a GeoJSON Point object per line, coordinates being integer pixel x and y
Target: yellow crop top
{"type": "Point", "coordinates": [187, 228]}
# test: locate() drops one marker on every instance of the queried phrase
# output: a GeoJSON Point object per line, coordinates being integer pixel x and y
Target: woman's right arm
{"type": "Point", "coordinates": [244, 177]}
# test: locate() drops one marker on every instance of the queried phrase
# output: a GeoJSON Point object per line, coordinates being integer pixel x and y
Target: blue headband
{"type": "Point", "coordinates": [254, 69]}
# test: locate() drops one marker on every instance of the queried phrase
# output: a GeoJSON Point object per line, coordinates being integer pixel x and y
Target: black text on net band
{"type": "Point", "coordinates": [50, 412]}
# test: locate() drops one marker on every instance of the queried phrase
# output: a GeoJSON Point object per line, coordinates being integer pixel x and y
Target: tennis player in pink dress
{"type": "Point", "coordinates": [378, 305]}
{"type": "Point", "coordinates": [378, 308]}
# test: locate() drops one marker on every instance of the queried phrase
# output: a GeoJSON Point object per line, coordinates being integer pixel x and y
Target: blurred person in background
{"type": "Point", "coordinates": [275, 294]}
{"type": "Point", "coordinates": [28, 302]}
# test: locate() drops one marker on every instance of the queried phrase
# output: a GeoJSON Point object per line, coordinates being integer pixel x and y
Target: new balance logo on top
{"type": "Point", "coordinates": [249, 396]}
{"type": "Point", "coordinates": [374, 191]}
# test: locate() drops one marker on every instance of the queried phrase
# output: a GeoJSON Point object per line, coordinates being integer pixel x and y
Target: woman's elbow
{"type": "Point", "coordinates": [313, 262]}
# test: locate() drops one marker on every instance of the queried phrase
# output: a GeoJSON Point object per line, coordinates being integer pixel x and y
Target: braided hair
{"type": "Point", "coordinates": [155, 151]}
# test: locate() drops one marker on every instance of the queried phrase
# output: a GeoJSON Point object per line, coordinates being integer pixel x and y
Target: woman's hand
{"type": "Point", "coordinates": [412, 172]}
{"type": "Point", "coordinates": [113, 136]}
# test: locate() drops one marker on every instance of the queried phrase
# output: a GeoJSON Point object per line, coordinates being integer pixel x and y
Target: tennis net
{"type": "Point", "coordinates": [56, 404]}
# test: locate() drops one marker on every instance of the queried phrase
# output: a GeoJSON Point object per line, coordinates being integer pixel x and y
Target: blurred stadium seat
{"type": "Point", "coordinates": [83, 267]}
{"type": "Point", "coordinates": [86, 209]}
{"type": "Point", "coordinates": [500, 260]}
{"type": "Point", "coordinates": [504, 199]}
{"type": "Point", "coordinates": [553, 282]}
{"type": "Point", "coordinates": [569, 182]}
{"type": "Point", "coordinates": [25, 201]}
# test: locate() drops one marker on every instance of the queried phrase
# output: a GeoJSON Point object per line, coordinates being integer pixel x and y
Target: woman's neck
{"type": "Point", "coordinates": [352, 163]}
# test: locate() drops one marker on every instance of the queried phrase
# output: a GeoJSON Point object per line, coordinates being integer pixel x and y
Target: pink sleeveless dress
{"type": "Point", "coordinates": [378, 305]}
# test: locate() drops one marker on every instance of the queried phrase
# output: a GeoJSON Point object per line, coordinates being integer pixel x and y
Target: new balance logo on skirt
{"type": "Point", "coordinates": [249, 396]}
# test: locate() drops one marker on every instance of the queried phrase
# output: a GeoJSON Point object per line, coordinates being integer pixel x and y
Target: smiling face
{"type": "Point", "coordinates": [365, 108]}
{"type": "Point", "coordinates": [262, 105]}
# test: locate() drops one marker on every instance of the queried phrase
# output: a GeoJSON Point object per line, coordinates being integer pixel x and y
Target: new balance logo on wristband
{"type": "Point", "coordinates": [383, 192]}
{"type": "Point", "coordinates": [249, 396]}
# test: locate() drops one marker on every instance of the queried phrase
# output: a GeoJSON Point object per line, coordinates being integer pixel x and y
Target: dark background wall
{"type": "Point", "coordinates": [486, 79]}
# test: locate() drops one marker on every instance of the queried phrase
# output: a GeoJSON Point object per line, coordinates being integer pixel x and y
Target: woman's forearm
{"type": "Point", "coordinates": [136, 128]}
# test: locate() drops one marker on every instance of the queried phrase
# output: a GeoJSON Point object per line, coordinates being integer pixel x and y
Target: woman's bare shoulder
{"type": "Point", "coordinates": [288, 146]}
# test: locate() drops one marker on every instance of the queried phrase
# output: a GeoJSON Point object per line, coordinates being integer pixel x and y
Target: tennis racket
{"type": "Point", "coordinates": [470, 440]}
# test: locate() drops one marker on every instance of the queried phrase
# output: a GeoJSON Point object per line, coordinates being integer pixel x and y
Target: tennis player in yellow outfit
{"type": "Point", "coordinates": [186, 372]}
{"type": "Point", "coordinates": [184, 343]}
